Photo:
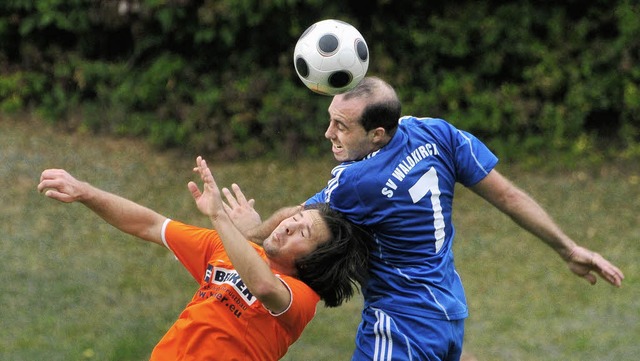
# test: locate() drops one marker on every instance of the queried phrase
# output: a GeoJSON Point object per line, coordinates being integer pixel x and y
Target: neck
{"type": "Point", "coordinates": [380, 144]}
{"type": "Point", "coordinates": [276, 267]}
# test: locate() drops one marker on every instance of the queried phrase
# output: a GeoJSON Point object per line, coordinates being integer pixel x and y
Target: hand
{"type": "Point", "coordinates": [209, 201]}
{"type": "Point", "coordinates": [241, 210]}
{"type": "Point", "coordinates": [582, 262]}
{"type": "Point", "coordinates": [60, 185]}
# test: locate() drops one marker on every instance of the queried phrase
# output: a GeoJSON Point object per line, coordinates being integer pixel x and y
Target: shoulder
{"type": "Point", "coordinates": [177, 227]}
{"type": "Point", "coordinates": [346, 170]}
{"type": "Point", "coordinates": [410, 123]}
{"type": "Point", "coordinates": [177, 232]}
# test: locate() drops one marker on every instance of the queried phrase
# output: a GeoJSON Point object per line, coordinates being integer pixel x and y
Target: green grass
{"type": "Point", "coordinates": [74, 288]}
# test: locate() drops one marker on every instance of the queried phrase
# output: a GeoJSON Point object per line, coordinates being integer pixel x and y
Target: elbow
{"type": "Point", "coordinates": [517, 203]}
{"type": "Point", "coordinates": [150, 232]}
{"type": "Point", "coordinates": [273, 294]}
{"type": "Point", "coordinates": [510, 201]}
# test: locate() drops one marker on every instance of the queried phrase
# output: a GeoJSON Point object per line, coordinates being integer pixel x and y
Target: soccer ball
{"type": "Point", "coordinates": [331, 57]}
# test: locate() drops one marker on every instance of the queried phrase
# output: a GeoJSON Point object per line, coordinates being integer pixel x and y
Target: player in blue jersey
{"type": "Point", "coordinates": [398, 178]}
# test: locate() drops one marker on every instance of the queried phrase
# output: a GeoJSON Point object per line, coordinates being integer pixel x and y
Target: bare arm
{"type": "Point", "coordinates": [259, 233]}
{"type": "Point", "coordinates": [255, 271]}
{"type": "Point", "coordinates": [247, 220]}
{"type": "Point", "coordinates": [528, 214]}
{"type": "Point", "coordinates": [121, 213]}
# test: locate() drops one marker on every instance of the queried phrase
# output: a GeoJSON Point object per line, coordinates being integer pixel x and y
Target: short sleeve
{"type": "Point", "coordinates": [192, 246]}
{"type": "Point", "coordinates": [303, 304]}
{"type": "Point", "coordinates": [473, 159]}
{"type": "Point", "coordinates": [317, 198]}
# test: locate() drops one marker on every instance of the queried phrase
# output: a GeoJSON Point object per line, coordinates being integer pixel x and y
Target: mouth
{"type": "Point", "coordinates": [336, 148]}
{"type": "Point", "coordinates": [275, 236]}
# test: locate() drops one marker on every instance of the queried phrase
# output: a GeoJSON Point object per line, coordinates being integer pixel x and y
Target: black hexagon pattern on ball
{"type": "Point", "coordinates": [339, 79]}
{"type": "Point", "coordinates": [361, 49]}
{"type": "Point", "coordinates": [302, 67]}
{"type": "Point", "coordinates": [328, 44]}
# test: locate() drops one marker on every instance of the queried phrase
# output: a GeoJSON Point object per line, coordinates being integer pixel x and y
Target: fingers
{"type": "Point", "coordinates": [48, 179]}
{"type": "Point", "coordinates": [237, 199]}
{"type": "Point", "coordinates": [198, 167]}
{"type": "Point", "coordinates": [614, 279]}
{"type": "Point", "coordinates": [59, 185]}
{"type": "Point", "coordinates": [226, 207]}
{"type": "Point", "coordinates": [231, 200]}
{"type": "Point", "coordinates": [49, 173]}
{"type": "Point", "coordinates": [583, 262]}
{"type": "Point", "coordinates": [590, 278]}
{"type": "Point", "coordinates": [193, 188]}
{"type": "Point", "coordinates": [207, 177]}
{"type": "Point", "coordinates": [238, 192]}
{"type": "Point", "coordinates": [59, 196]}
{"type": "Point", "coordinates": [44, 185]}
{"type": "Point", "coordinates": [202, 169]}
{"type": "Point", "coordinates": [607, 270]}
{"type": "Point", "coordinates": [201, 166]}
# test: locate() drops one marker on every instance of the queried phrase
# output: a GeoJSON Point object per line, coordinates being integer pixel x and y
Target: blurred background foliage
{"type": "Point", "coordinates": [534, 81]}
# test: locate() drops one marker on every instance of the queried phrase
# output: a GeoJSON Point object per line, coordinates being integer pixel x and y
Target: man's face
{"type": "Point", "coordinates": [348, 138]}
{"type": "Point", "coordinates": [296, 237]}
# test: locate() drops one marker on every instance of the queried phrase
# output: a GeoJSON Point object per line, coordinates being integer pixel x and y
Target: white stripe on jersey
{"type": "Point", "coordinates": [472, 153]}
{"type": "Point", "coordinates": [399, 271]}
{"type": "Point", "coordinates": [335, 181]}
{"type": "Point", "coordinates": [433, 296]}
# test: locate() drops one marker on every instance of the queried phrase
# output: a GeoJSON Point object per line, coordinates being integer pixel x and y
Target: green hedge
{"type": "Point", "coordinates": [216, 76]}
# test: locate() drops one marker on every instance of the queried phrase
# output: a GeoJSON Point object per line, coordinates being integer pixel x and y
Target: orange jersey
{"type": "Point", "coordinates": [224, 321]}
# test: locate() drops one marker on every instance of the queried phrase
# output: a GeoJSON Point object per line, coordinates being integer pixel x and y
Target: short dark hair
{"type": "Point", "coordinates": [336, 268]}
{"type": "Point", "coordinates": [383, 108]}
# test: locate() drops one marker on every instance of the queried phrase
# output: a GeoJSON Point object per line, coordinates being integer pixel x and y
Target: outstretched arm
{"type": "Point", "coordinates": [527, 213]}
{"type": "Point", "coordinates": [247, 220]}
{"type": "Point", "coordinates": [259, 233]}
{"type": "Point", "coordinates": [253, 270]}
{"type": "Point", "coordinates": [123, 214]}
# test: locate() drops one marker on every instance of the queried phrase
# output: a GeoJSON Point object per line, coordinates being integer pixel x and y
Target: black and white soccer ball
{"type": "Point", "coordinates": [331, 57]}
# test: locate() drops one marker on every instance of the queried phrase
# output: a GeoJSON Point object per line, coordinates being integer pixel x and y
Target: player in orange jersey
{"type": "Point", "coordinates": [253, 301]}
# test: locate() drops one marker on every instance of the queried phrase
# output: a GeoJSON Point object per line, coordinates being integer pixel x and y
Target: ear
{"type": "Point", "coordinates": [378, 135]}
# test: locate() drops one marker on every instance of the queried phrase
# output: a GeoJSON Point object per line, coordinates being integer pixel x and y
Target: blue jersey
{"type": "Point", "coordinates": [404, 194]}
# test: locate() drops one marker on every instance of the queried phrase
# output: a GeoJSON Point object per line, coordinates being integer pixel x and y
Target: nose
{"type": "Point", "coordinates": [329, 133]}
{"type": "Point", "coordinates": [290, 227]}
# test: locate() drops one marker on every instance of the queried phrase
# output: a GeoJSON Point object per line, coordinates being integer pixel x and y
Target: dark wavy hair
{"type": "Point", "coordinates": [337, 267]}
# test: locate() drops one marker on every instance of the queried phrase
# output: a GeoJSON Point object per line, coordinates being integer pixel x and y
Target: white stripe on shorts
{"type": "Point", "coordinates": [384, 342]}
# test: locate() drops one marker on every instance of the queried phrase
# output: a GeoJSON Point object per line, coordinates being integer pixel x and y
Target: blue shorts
{"type": "Point", "coordinates": [386, 336]}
